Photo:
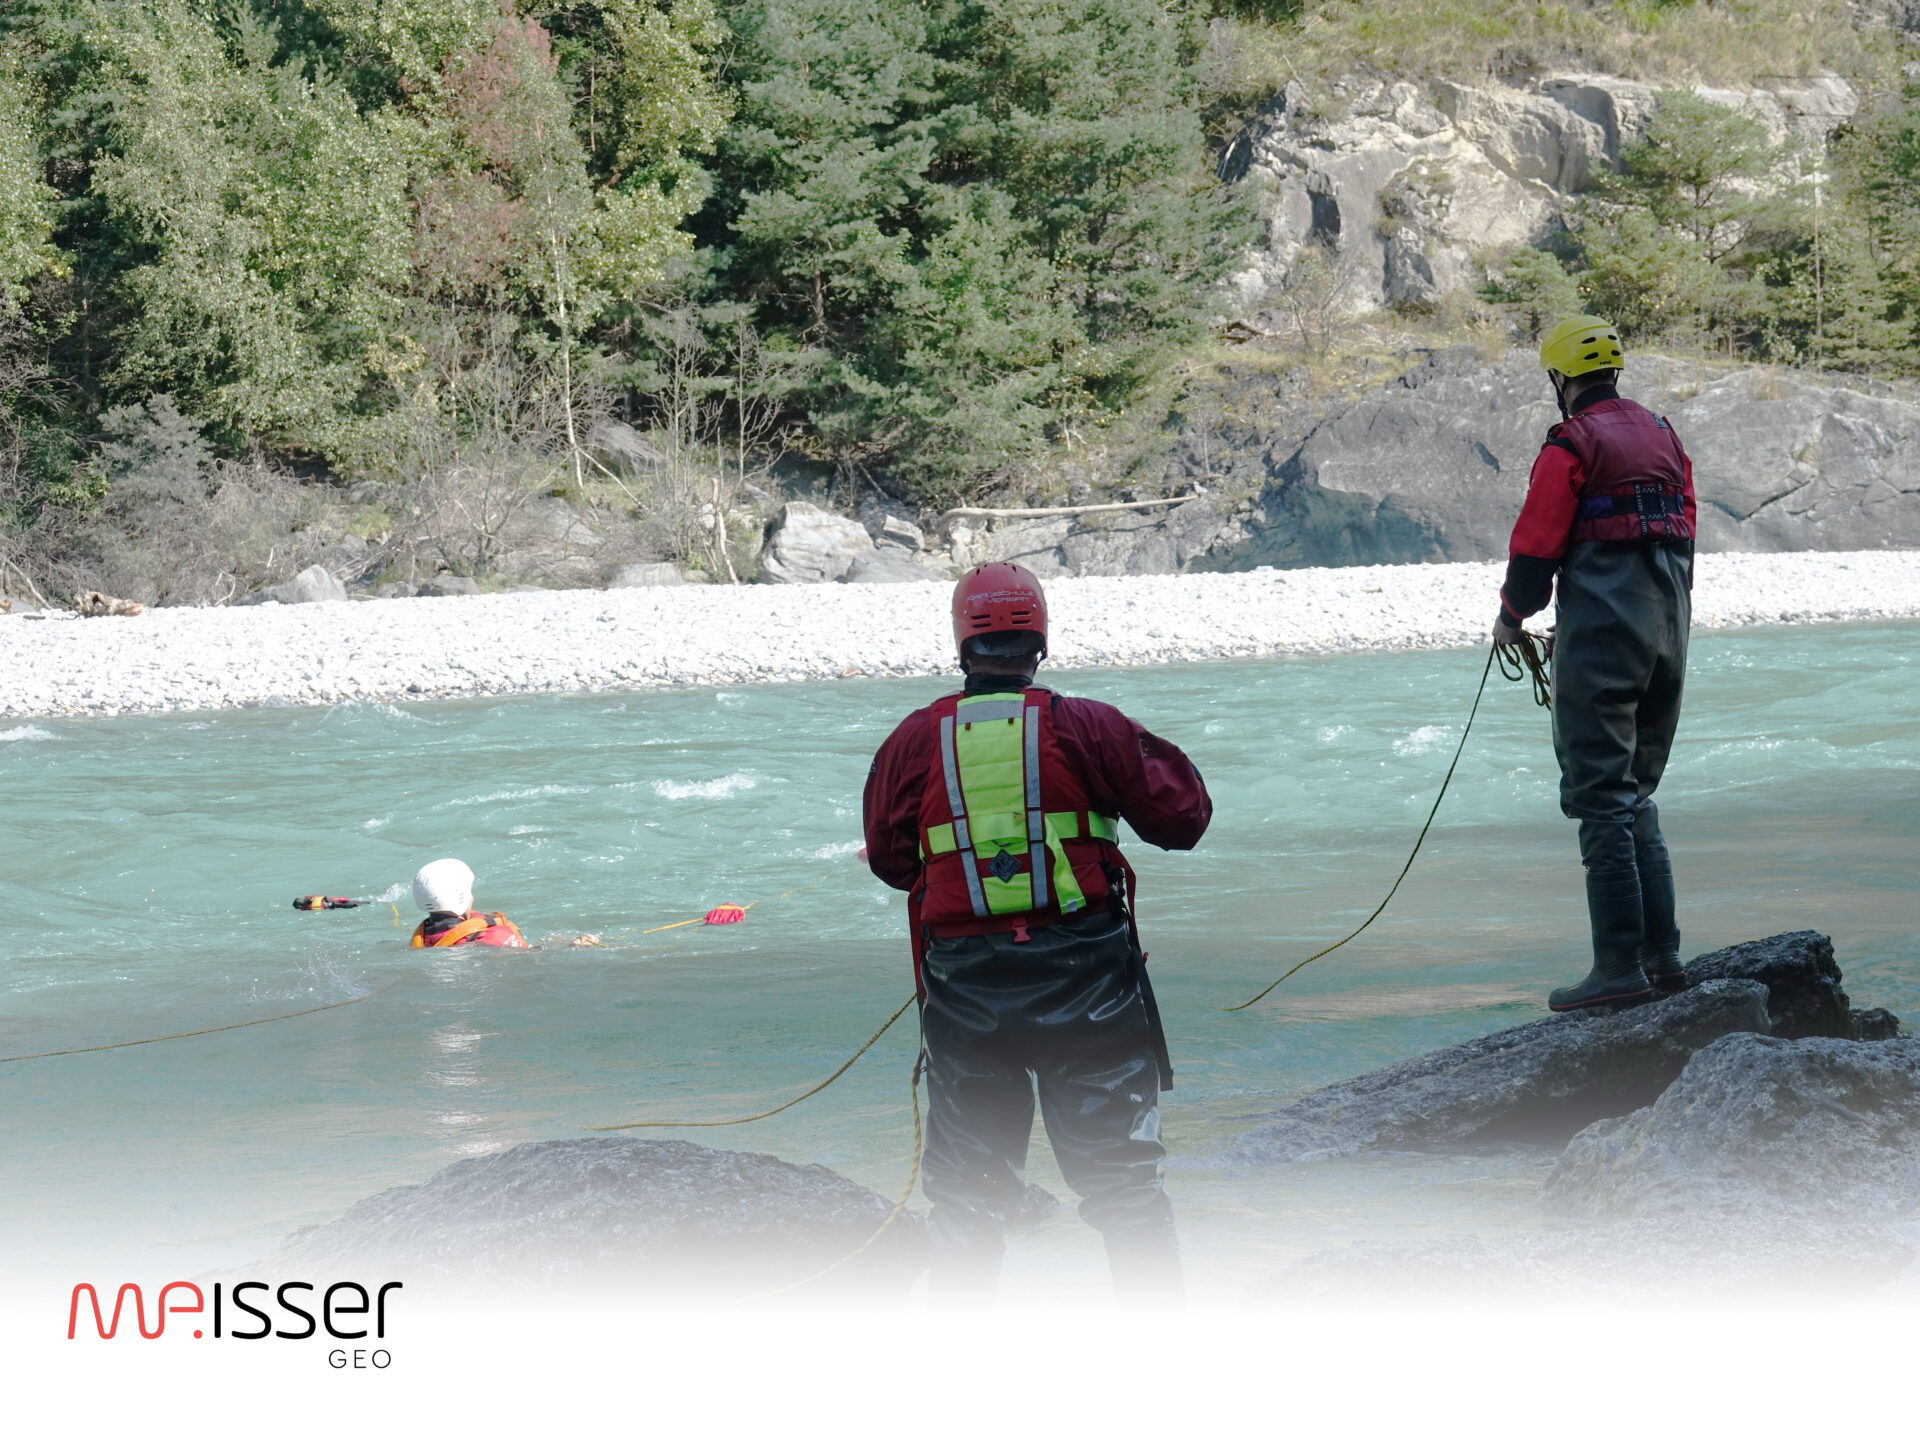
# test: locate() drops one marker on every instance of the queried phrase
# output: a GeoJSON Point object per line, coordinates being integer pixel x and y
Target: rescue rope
{"type": "Point", "coordinates": [1447, 781]}
{"type": "Point", "coordinates": [899, 1206]}
{"type": "Point", "coordinates": [210, 1030]}
{"type": "Point", "coordinates": [845, 1066]}
{"type": "Point", "coordinates": [1519, 662]}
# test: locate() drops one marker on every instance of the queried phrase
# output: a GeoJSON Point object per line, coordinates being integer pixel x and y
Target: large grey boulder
{"type": "Point", "coordinates": [646, 574]}
{"type": "Point", "coordinates": [886, 565]}
{"type": "Point", "coordinates": [648, 1216]}
{"type": "Point", "coordinates": [1757, 1124]}
{"type": "Point", "coordinates": [443, 585]}
{"type": "Point", "coordinates": [1538, 1082]}
{"type": "Point", "coordinates": [810, 546]}
{"type": "Point", "coordinates": [1125, 542]}
{"type": "Point", "coordinates": [1433, 465]}
{"type": "Point", "coordinates": [311, 586]}
{"type": "Point", "coordinates": [1802, 979]}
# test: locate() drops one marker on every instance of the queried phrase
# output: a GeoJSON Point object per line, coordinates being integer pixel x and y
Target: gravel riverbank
{"type": "Point", "coordinates": [561, 640]}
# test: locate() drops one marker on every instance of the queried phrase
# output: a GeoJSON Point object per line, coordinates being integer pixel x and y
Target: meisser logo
{"type": "Point", "coordinates": [345, 1310]}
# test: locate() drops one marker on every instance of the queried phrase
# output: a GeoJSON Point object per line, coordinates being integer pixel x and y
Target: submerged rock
{"type": "Point", "coordinates": [1759, 1125]}
{"type": "Point", "coordinates": [1802, 979]}
{"type": "Point", "coordinates": [651, 1216]}
{"type": "Point", "coordinates": [1539, 1082]}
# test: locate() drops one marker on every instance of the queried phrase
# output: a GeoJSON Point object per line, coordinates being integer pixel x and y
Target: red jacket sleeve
{"type": "Point", "coordinates": [1540, 535]}
{"type": "Point", "coordinates": [1134, 774]}
{"type": "Point", "coordinates": [891, 807]}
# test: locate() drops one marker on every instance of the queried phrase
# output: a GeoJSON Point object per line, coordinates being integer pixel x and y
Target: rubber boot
{"type": "Point", "coordinates": [1145, 1264]}
{"type": "Point", "coordinates": [1660, 952]}
{"type": "Point", "coordinates": [1619, 929]}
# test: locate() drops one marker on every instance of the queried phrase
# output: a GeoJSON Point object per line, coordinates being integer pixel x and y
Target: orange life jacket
{"type": "Point", "coordinates": [480, 927]}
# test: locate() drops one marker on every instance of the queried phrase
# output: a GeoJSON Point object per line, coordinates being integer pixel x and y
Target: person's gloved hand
{"type": "Point", "coordinates": [1546, 651]}
{"type": "Point", "coordinates": [1505, 634]}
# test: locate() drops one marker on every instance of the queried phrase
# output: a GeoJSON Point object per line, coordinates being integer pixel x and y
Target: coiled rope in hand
{"type": "Point", "coordinates": [1521, 661]}
{"type": "Point", "coordinates": [845, 1066]}
{"type": "Point", "coordinates": [1458, 751]}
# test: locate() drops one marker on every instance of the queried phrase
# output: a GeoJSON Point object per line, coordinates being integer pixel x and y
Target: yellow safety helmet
{"type": "Point", "coordinates": [1580, 344]}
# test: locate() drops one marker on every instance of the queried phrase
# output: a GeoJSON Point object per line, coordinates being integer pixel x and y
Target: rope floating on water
{"type": "Point", "coordinates": [846, 1065]}
{"type": "Point", "coordinates": [1458, 751]}
{"type": "Point", "coordinates": [210, 1030]}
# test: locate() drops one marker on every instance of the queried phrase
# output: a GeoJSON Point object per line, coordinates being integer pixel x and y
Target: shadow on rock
{"type": "Point", "coordinates": [1540, 1082]}
{"type": "Point", "coordinates": [640, 1219]}
{"type": "Point", "coordinates": [1543, 1082]}
{"type": "Point", "coordinates": [1759, 1126]}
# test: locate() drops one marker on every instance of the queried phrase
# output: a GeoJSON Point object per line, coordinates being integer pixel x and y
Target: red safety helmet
{"type": "Point", "coordinates": [998, 598]}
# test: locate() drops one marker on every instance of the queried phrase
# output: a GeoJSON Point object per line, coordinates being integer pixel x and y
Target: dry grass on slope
{"type": "Point", "coordinates": [1719, 42]}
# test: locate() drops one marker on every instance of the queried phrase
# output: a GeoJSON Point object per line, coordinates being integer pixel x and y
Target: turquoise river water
{"type": "Point", "coordinates": [146, 865]}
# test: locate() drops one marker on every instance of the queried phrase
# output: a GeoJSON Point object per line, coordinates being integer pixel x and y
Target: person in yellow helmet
{"type": "Point", "coordinates": [1607, 532]}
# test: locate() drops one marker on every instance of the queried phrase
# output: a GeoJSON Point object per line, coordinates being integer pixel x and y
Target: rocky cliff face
{"type": "Point", "coordinates": [1433, 466]}
{"type": "Point", "coordinates": [1412, 185]}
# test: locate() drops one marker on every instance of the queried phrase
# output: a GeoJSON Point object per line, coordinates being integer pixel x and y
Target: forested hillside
{"type": "Point", "coordinates": [381, 282]}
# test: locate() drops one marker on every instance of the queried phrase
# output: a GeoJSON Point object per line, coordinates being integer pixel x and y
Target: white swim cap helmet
{"type": "Point", "coordinates": [444, 885]}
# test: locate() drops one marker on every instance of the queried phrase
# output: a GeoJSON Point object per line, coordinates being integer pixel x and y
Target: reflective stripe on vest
{"type": "Point", "coordinates": [990, 755]}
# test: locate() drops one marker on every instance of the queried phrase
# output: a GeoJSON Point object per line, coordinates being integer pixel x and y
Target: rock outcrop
{"type": "Point", "coordinates": [1409, 185]}
{"type": "Point", "coordinates": [1434, 465]}
{"type": "Point", "coordinates": [1538, 1082]}
{"type": "Point", "coordinates": [312, 585]}
{"type": "Point", "coordinates": [1757, 1124]}
{"type": "Point", "coordinates": [809, 546]}
{"type": "Point", "coordinates": [648, 1216]}
{"type": "Point", "coordinates": [1802, 978]}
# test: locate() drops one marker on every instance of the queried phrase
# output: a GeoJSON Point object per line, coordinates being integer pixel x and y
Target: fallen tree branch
{"type": "Point", "coordinates": [975, 511]}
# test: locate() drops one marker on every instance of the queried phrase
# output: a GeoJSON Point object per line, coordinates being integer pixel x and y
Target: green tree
{"type": "Point", "coordinates": [1673, 241]}
{"type": "Point", "coordinates": [1086, 118]}
{"type": "Point", "coordinates": [273, 221]}
{"type": "Point", "coordinates": [1538, 289]}
{"type": "Point", "coordinates": [26, 200]}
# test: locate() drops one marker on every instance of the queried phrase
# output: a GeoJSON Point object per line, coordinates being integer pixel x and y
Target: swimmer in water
{"type": "Point", "coordinates": [444, 889]}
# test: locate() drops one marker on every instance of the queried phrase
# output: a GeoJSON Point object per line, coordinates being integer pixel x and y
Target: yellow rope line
{"type": "Point", "coordinates": [847, 1065]}
{"type": "Point", "coordinates": [1522, 661]}
{"type": "Point", "coordinates": [210, 1030]}
{"type": "Point", "coordinates": [900, 1205]}
{"type": "Point", "coordinates": [1458, 751]}
{"type": "Point", "coordinates": [702, 919]}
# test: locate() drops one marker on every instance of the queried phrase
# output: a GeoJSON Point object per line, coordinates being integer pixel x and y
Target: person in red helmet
{"type": "Point", "coordinates": [997, 810]}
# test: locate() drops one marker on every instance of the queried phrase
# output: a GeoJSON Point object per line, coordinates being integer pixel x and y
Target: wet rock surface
{"type": "Point", "coordinates": [1802, 979]}
{"type": "Point", "coordinates": [642, 1215]}
{"type": "Point", "coordinates": [1539, 1082]}
{"type": "Point", "coordinates": [1758, 1125]}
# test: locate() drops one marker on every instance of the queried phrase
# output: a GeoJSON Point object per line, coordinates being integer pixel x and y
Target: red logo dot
{"type": "Point", "coordinates": [196, 1334]}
